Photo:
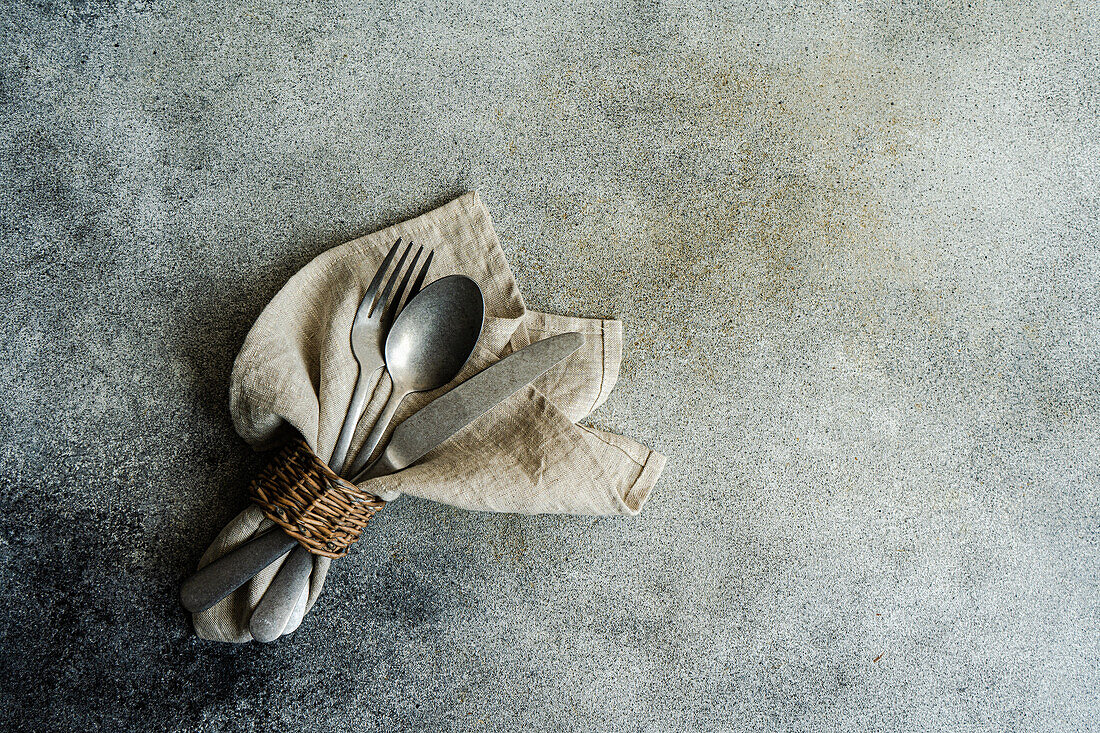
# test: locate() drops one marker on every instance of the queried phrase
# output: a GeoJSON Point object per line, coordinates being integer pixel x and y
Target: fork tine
{"type": "Point", "coordinates": [382, 299]}
{"type": "Point", "coordinates": [391, 307]}
{"type": "Point", "coordinates": [419, 282]}
{"type": "Point", "coordinates": [372, 289]}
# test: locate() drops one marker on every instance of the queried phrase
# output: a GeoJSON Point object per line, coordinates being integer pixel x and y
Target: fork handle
{"type": "Point", "coordinates": [362, 458]}
{"type": "Point", "coordinates": [351, 419]}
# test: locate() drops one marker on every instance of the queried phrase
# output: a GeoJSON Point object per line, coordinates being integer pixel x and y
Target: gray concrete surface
{"type": "Point", "coordinates": [855, 247]}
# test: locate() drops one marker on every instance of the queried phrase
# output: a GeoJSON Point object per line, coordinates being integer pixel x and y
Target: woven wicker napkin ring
{"type": "Point", "coordinates": [300, 493]}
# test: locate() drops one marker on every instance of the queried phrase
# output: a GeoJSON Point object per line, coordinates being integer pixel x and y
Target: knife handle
{"type": "Point", "coordinates": [229, 572]}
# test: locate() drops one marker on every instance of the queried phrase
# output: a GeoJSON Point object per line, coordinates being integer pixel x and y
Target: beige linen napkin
{"type": "Point", "coordinates": [528, 455]}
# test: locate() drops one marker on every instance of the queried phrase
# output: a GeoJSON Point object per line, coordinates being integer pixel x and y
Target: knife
{"type": "Point", "coordinates": [411, 440]}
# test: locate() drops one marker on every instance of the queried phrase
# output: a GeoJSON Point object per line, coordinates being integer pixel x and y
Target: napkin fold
{"type": "Point", "coordinates": [528, 455]}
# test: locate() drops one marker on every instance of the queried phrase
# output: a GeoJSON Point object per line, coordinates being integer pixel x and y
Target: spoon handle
{"type": "Point", "coordinates": [376, 433]}
{"type": "Point", "coordinates": [276, 608]}
{"type": "Point", "coordinates": [351, 420]}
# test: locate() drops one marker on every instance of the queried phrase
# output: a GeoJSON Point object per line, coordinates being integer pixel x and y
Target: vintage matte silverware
{"type": "Point", "coordinates": [368, 334]}
{"type": "Point", "coordinates": [223, 576]}
{"type": "Point", "coordinates": [411, 440]}
{"type": "Point", "coordinates": [429, 343]}
{"type": "Point", "coordinates": [215, 581]}
{"type": "Point", "coordinates": [431, 425]}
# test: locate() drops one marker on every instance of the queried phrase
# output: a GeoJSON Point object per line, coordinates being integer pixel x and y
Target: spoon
{"type": "Point", "coordinates": [428, 344]}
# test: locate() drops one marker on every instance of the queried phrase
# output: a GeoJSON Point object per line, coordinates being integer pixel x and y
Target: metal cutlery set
{"type": "Point", "coordinates": [422, 343]}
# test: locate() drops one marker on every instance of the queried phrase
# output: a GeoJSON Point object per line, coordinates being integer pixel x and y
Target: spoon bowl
{"type": "Point", "coordinates": [433, 336]}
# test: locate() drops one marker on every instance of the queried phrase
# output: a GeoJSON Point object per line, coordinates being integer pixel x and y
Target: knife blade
{"type": "Point", "coordinates": [444, 416]}
{"type": "Point", "coordinates": [414, 438]}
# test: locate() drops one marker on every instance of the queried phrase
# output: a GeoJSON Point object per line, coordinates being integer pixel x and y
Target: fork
{"type": "Point", "coordinates": [368, 335]}
{"type": "Point", "coordinates": [217, 580]}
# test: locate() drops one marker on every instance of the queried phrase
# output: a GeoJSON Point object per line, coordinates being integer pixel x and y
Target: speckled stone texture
{"type": "Point", "coordinates": [855, 248]}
